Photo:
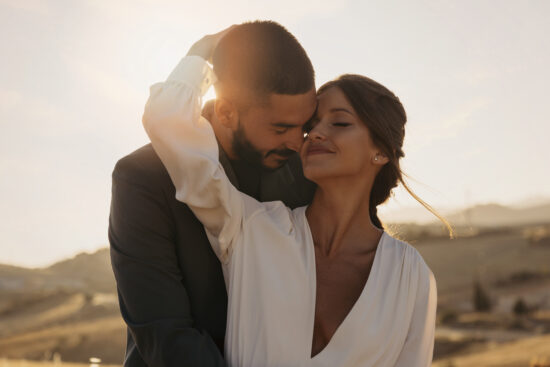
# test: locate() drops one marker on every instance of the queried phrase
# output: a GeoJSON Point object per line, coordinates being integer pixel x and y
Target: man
{"type": "Point", "coordinates": [170, 284]}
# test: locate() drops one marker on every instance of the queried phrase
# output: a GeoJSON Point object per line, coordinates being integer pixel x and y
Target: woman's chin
{"type": "Point", "coordinates": [315, 173]}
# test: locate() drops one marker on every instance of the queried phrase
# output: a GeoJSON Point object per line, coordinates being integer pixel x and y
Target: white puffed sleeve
{"type": "Point", "coordinates": [187, 146]}
{"type": "Point", "coordinates": [419, 344]}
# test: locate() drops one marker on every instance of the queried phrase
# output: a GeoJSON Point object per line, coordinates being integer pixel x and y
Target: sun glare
{"type": "Point", "coordinates": [210, 94]}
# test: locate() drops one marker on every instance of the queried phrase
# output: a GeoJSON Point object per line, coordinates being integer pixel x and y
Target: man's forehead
{"type": "Point", "coordinates": [282, 110]}
{"type": "Point", "coordinates": [293, 106]}
{"type": "Point", "coordinates": [292, 99]}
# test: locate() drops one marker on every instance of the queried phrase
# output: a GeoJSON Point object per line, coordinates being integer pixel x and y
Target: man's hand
{"type": "Point", "coordinates": [205, 46]}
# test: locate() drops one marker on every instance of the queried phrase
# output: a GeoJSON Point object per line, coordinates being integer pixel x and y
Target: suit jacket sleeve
{"type": "Point", "coordinates": [153, 300]}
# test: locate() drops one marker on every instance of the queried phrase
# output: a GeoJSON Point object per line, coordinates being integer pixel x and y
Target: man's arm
{"type": "Point", "coordinates": [153, 301]}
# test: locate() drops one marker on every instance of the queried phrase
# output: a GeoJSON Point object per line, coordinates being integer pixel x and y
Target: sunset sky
{"type": "Point", "coordinates": [473, 76]}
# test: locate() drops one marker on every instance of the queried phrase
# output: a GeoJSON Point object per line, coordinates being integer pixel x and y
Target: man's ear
{"type": "Point", "coordinates": [226, 113]}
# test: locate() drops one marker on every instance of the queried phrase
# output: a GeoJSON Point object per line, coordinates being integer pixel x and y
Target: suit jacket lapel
{"type": "Point", "coordinates": [287, 184]}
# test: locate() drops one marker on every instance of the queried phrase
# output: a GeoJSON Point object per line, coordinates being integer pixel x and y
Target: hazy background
{"type": "Point", "coordinates": [74, 76]}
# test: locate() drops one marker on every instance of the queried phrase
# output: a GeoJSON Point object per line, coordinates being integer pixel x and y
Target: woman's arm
{"type": "Point", "coordinates": [418, 348]}
{"type": "Point", "coordinates": [187, 146]}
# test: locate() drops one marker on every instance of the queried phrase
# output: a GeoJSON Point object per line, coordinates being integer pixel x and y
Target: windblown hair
{"type": "Point", "coordinates": [262, 57]}
{"type": "Point", "coordinates": [383, 114]}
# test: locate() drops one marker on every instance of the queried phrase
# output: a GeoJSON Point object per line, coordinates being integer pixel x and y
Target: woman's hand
{"type": "Point", "coordinates": [205, 46]}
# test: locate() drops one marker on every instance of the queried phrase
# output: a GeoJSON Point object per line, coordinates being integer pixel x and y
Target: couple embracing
{"type": "Point", "coordinates": [247, 235]}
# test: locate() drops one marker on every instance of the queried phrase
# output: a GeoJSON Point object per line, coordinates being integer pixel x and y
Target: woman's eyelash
{"type": "Point", "coordinates": [341, 124]}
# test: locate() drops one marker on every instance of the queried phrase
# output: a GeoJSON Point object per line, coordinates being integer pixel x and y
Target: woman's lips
{"type": "Point", "coordinates": [317, 150]}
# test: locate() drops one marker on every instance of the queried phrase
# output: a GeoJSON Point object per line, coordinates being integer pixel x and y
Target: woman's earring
{"type": "Point", "coordinates": [376, 158]}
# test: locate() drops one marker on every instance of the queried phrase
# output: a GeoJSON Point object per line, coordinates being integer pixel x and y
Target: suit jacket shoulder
{"type": "Point", "coordinates": [143, 167]}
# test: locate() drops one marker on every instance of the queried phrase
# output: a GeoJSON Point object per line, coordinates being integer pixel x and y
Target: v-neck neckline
{"type": "Point", "coordinates": [360, 299]}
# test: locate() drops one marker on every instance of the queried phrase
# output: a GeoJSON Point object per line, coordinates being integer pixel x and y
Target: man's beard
{"type": "Point", "coordinates": [245, 151]}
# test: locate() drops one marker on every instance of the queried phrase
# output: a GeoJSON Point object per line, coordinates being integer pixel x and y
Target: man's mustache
{"type": "Point", "coordinates": [285, 153]}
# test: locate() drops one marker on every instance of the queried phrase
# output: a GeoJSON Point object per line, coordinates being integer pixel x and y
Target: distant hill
{"type": "Point", "coordinates": [90, 272]}
{"type": "Point", "coordinates": [484, 215]}
{"type": "Point", "coordinates": [69, 308]}
{"type": "Point", "coordinates": [495, 215]}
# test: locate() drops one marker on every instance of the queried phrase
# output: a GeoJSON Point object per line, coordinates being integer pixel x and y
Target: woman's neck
{"type": "Point", "coordinates": [339, 217]}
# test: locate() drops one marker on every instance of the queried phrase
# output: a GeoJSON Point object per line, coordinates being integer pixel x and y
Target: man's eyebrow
{"type": "Point", "coordinates": [285, 124]}
{"type": "Point", "coordinates": [289, 125]}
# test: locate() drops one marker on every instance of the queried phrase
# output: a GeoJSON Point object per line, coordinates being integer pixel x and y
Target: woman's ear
{"type": "Point", "coordinates": [226, 113]}
{"type": "Point", "coordinates": [380, 158]}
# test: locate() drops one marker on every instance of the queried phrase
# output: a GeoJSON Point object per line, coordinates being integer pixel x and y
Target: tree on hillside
{"type": "Point", "coordinates": [520, 307]}
{"type": "Point", "coordinates": [482, 301]}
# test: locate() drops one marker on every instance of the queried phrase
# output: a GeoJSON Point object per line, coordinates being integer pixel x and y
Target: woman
{"type": "Point", "coordinates": [321, 285]}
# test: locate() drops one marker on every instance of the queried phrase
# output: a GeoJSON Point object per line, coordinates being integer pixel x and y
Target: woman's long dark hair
{"type": "Point", "coordinates": [385, 117]}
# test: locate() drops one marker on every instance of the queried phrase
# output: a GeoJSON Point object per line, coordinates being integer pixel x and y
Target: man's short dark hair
{"type": "Point", "coordinates": [262, 57]}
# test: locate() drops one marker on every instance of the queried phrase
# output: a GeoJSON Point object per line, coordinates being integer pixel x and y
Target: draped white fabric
{"type": "Point", "coordinates": [268, 257]}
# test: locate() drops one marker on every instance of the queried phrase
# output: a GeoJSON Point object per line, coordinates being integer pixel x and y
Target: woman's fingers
{"type": "Point", "coordinates": [205, 46]}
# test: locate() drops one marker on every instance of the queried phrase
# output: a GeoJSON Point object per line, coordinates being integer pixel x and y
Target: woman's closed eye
{"type": "Point", "coordinates": [341, 124]}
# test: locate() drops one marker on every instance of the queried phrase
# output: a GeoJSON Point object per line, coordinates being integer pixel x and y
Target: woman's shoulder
{"type": "Point", "coordinates": [409, 256]}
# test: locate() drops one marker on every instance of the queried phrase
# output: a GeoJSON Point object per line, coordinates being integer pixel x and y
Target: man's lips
{"type": "Point", "coordinates": [316, 149]}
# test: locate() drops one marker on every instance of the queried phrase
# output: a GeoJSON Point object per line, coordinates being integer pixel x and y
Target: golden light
{"type": "Point", "coordinates": [210, 94]}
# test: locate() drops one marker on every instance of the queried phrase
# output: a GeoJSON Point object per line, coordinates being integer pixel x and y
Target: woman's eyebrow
{"type": "Point", "coordinates": [340, 109]}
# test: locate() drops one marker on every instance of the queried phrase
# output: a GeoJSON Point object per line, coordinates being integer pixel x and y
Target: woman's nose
{"type": "Point", "coordinates": [316, 134]}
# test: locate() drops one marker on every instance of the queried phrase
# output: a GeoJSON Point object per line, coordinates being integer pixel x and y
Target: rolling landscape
{"type": "Point", "coordinates": [493, 296]}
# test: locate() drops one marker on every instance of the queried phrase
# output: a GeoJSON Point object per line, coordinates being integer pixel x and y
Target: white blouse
{"type": "Point", "coordinates": [268, 259]}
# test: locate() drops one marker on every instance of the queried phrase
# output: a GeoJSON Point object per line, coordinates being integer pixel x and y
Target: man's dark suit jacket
{"type": "Point", "coordinates": [170, 284]}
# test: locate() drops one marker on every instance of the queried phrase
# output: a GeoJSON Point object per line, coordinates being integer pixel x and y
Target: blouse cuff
{"type": "Point", "coordinates": [194, 71]}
